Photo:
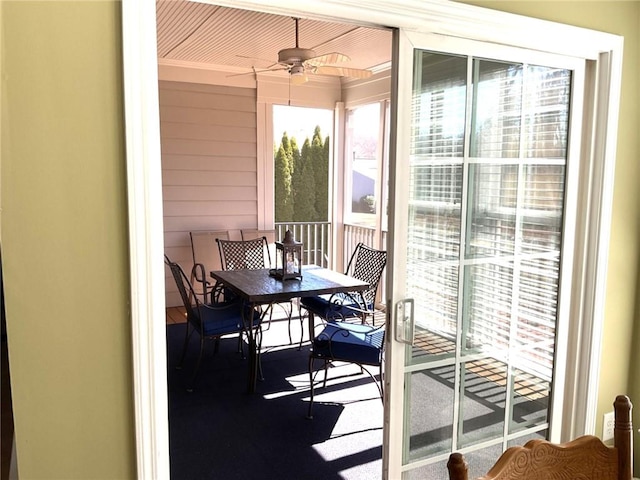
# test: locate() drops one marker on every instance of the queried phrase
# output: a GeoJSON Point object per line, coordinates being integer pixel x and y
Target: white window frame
{"type": "Point", "coordinates": [602, 50]}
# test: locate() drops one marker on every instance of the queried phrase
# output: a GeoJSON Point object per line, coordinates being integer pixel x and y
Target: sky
{"type": "Point", "coordinates": [299, 122]}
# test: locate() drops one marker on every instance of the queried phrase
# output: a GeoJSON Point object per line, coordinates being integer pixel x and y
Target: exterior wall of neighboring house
{"type": "Point", "coordinates": [65, 244]}
{"type": "Point", "coordinates": [209, 167]}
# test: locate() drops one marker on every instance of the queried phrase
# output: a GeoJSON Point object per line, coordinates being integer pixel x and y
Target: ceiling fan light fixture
{"type": "Point", "coordinates": [298, 75]}
{"type": "Point", "coordinates": [299, 79]}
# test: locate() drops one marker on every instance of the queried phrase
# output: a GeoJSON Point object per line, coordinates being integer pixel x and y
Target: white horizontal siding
{"type": "Point", "coordinates": [209, 165]}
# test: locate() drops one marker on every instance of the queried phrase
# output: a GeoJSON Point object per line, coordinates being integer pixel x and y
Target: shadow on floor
{"type": "Point", "coordinates": [220, 431]}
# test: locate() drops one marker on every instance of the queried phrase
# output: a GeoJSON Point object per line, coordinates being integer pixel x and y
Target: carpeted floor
{"type": "Point", "coordinates": [221, 432]}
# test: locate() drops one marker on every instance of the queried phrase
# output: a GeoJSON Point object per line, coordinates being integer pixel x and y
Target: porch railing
{"type": "Point", "coordinates": [316, 238]}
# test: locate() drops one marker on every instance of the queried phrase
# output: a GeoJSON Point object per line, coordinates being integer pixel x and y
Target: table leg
{"type": "Point", "coordinates": [255, 344]}
{"type": "Point", "coordinates": [312, 325]}
{"type": "Point", "coordinates": [253, 354]}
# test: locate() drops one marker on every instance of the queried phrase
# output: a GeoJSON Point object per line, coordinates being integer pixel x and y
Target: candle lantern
{"type": "Point", "coordinates": [288, 258]}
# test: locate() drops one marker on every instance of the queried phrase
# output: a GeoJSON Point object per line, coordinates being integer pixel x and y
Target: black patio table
{"type": "Point", "coordinates": [257, 287]}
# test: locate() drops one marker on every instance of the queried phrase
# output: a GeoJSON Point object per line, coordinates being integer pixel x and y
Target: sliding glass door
{"type": "Point", "coordinates": [480, 194]}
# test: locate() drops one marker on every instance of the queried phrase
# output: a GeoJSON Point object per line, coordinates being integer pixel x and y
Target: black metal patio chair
{"type": "Point", "coordinates": [251, 254]}
{"type": "Point", "coordinates": [360, 344]}
{"type": "Point", "coordinates": [211, 321]}
{"type": "Point", "coordinates": [366, 264]}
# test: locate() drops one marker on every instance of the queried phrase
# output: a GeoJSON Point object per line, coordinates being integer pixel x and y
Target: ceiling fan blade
{"type": "Point", "coordinates": [270, 62]}
{"type": "Point", "coordinates": [342, 71]}
{"type": "Point", "coordinates": [333, 57]}
{"type": "Point", "coordinates": [258, 71]}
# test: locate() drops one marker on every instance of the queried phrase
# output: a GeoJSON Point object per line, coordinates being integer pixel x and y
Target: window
{"type": "Point", "coordinates": [302, 147]}
{"type": "Point", "coordinates": [363, 153]}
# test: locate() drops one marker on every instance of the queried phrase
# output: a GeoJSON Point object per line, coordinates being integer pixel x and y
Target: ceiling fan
{"type": "Point", "coordinates": [300, 61]}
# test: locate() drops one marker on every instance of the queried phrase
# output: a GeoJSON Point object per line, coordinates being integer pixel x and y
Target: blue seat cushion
{"type": "Point", "coordinates": [350, 343]}
{"type": "Point", "coordinates": [332, 307]}
{"type": "Point", "coordinates": [225, 318]}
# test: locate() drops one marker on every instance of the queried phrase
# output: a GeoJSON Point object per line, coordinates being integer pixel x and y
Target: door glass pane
{"type": "Point", "coordinates": [486, 317]}
{"type": "Point", "coordinates": [546, 104]}
{"type": "Point", "coordinates": [497, 114]}
{"type": "Point", "coordinates": [482, 406]}
{"type": "Point", "coordinates": [435, 471]}
{"type": "Point", "coordinates": [542, 204]}
{"type": "Point", "coordinates": [530, 400]}
{"type": "Point", "coordinates": [480, 461]}
{"type": "Point", "coordinates": [430, 415]}
{"type": "Point", "coordinates": [439, 96]}
{"type": "Point", "coordinates": [492, 197]}
{"type": "Point", "coordinates": [483, 255]}
{"type": "Point", "coordinates": [437, 149]}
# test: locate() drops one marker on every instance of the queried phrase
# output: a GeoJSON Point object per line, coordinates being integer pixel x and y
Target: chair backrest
{"type": "Point", "coordinates": [250, 234]}
{"type": "Point", "coordinates": [367, 264]}
{"type": "Point", "coordinates": [269, 235]}
{"type": "Point", "coordinates": [187, 294]}
{"type": "Point", "coordinates": [243, 254]}
{"type": "Point", "coordinates": [585, 457]}
{"type": "Point", "coordinates": [205, 250]}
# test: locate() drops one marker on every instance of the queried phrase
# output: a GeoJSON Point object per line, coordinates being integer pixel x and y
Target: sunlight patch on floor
{"type": "Point", "coordinates": [353, 427]}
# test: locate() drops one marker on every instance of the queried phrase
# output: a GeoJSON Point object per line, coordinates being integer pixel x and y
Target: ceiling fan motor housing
{"type": "Point", "coordinates": [295, 55]}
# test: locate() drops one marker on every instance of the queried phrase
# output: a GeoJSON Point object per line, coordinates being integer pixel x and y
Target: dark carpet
{"type": "Point", "coordinates": [221, 432]}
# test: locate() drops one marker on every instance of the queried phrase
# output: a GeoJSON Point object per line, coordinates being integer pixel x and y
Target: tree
{"type": "Point", "coordinates": [282, 187]}
{"type": "Point", "coordinates": [303, 185]}
{"type": "Point", "coordinates": [320, 156]}
{"type": "Point", "coordinates": [301, 179]}
{"type": "Point", "coordinates": [295, 156]}
{"type": "Point", "coordinates": [288, 145]}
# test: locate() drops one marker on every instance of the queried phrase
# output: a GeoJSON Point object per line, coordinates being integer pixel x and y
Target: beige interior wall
{"type": "Point", "coordinates": [619, 371]}
{"type": "Point", "coordinates": [64, 239]}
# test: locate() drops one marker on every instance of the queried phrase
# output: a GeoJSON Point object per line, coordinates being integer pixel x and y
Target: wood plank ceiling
{"type": "Point", "coordinates": [200, 34]}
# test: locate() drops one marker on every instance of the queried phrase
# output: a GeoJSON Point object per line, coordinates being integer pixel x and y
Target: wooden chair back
{"type": "Point", "coordinates": [586, 457]}
{"type": "Point", "coordinates": [205, 249]}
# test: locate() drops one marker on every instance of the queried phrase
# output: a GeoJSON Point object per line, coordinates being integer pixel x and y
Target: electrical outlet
{"type": "Point", "coordinates": [607, 426]}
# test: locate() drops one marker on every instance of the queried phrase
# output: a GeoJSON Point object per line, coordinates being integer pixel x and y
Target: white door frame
{"type": "Point", "coordinates": [435, 16]}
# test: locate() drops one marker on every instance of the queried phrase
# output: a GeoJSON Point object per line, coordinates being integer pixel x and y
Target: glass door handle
{"type": "Point", "coordinates": [405, 325]}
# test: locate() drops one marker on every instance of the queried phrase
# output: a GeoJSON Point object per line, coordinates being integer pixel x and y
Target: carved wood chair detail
{"type": "Point", "coordinates": [585, 458]}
